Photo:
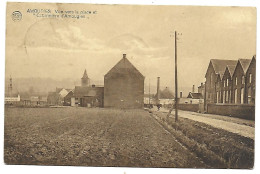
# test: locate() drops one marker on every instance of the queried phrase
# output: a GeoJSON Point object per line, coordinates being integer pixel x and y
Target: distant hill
{"type": "Point", "coordinates": [41, 86]}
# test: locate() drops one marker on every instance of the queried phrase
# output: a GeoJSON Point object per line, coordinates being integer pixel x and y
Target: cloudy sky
{"type": "Point", "coordinates": [63, 48]}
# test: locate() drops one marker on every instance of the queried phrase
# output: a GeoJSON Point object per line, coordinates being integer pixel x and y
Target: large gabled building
{"type": "Point", "coordinates": [124, 86]}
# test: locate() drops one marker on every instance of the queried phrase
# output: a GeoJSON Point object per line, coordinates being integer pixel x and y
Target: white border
{"type": "Point", "coordinates": [67, 169]}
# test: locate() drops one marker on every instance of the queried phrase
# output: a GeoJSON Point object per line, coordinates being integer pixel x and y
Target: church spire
{"type": "Point", "coordinates": [85, 75]}
{"type": "Point", "coordinates": [85, 80]}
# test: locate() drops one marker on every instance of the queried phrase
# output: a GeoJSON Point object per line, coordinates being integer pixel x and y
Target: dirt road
{"type": "Point", "coordinates": [234, 125]}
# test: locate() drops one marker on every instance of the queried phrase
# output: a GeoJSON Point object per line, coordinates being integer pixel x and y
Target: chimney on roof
{"type": "Point", "coordinates": [124, 56]}
{"type": "Point", "coordinates": [180, 94]}
{"type": "Point", "coordinates": [193, 88]}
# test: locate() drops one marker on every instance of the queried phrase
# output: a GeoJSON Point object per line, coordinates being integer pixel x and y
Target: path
{"type": "Point", "coordinates": [231, 126]}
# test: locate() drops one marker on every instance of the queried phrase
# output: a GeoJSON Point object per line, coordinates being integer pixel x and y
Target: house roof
{"type": "Point", "coordinates": [245, 64]}
{"type": "Point", "coordinates": [194, 95]}
{"type": "Point", "coordinates": [83, 91]}
{"type": "Point", "coordinates": [231, 69]}
{"type": "Point", "coordinates": [124, 66]}
{"type": "Point", "coordinates": [220, 65]}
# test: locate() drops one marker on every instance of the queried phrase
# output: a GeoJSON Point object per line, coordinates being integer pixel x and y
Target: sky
{"type": "Point", "coordinates": [64, 48]}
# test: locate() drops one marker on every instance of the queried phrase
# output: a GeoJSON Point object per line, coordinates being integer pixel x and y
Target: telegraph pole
{"type": "Point", "coordinates": [176, 81]}
{"type": "Point", "coordinates": [149, 94]}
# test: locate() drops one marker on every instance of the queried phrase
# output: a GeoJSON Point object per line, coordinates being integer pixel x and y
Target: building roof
{"type": "Point", "coordinates": [194, 95]}
{"type": "Point", "coordinates": [231, 69]}
{"type": "Point", "coordinates": [124, 66]}
{"type": "Point", "coordinates": [84, 91]}
{"type": "Point", "coordinates": [220, 65]}
{"type": "Point", "coordinates": [244, 63]}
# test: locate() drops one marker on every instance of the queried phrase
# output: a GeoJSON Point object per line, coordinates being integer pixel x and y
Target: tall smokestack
{"type": "Point", "coordinates": [193, 88]}
{"type": "Point", "coordinates": [158, 88]}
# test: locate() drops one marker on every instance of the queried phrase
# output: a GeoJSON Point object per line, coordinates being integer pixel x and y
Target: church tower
{"type": "Point", "coordinates": [85, 80]}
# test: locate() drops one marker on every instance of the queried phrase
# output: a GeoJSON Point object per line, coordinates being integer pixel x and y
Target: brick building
{"type": "Point", "coordinates": [85, 96]}
{"type": "Point", "coordinates": [124, 86]}
{"type": "Point", "coordinates": [230, 82]}
{"type": "Point", "coordinates": [239, 81]}
{"type": "Point", "coordinates": [224, 86]}
{"type": "Point", "coordinates": [201, 89]}
{"type": "Point", "coordinates": [250, 82]}
{"type": "Point", "coordinates": [214, 75]}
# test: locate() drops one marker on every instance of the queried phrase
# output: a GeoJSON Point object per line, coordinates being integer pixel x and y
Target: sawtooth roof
{"type": "Point", "coordinates": [220, 65]}
{"type": "Point", "coordinates": [231, 69]}
{"type": "Point", "coordinates": [245, 64]}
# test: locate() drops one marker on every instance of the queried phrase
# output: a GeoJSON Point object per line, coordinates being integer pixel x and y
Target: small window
{"type": "Point", "coordinates": [243, 79]}
{"type": "Point", "coordinates": [236, 80]}
{"type": "Point", "coordinates": [224, 83]}
{"type": "Point", "coordinates": [250, 78]}
{"type": "Point", "coordinates": [211, 79]}
{"type": "Point", "coordinates": [227, 82]}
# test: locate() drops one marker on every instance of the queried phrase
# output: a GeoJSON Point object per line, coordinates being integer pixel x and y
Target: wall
{"type": "Point", "coordinates": [188, 107]}
{"type": "Point", "coordinates": [234, 110]}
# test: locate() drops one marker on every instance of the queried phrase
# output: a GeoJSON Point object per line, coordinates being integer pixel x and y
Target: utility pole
{"type": "Point", "coordinates": [176, 81]}
{"type": "Point", "coordinates": [149, 94]}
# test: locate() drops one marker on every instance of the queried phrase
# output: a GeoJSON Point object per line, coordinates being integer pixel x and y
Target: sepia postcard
{"type": "Point", "coordinates": [156, 86]}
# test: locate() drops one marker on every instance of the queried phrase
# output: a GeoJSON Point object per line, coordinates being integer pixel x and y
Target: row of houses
{"type": "Point", "coordinates": [231, 81]}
